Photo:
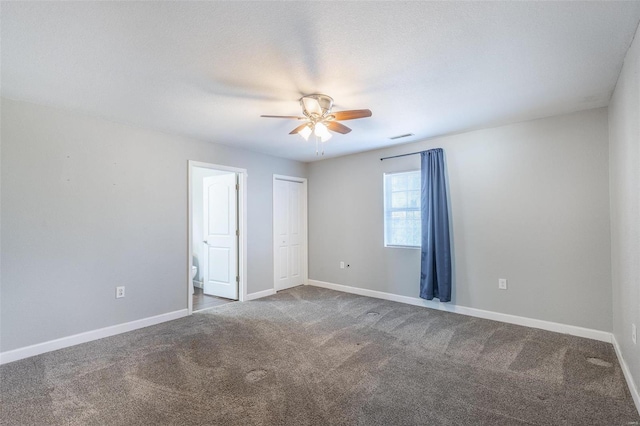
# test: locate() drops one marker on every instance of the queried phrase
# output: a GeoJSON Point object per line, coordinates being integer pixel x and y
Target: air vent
{"type": "Point", "coordinates": [406, 135]}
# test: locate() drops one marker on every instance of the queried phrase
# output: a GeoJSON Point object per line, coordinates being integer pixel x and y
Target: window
{"type": "Point", "coordinates": [402, 209]}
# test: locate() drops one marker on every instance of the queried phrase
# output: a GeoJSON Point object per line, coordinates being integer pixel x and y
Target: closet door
{"type": "Point", "coordinates": [289, 233]}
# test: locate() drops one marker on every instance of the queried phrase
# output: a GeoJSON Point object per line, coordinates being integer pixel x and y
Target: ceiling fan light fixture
{"type": "Point", "coordinates": [305, 132]}
{"type": "Point", "coordinates": [322, 132]}
{"type": "Point", "coordinates": [320, 129]}
{"type": "Point", "coordinates": [318, 118]}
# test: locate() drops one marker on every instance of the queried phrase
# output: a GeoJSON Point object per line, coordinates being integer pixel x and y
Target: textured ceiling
{"type": "Point", "coordinates": [209, 69]}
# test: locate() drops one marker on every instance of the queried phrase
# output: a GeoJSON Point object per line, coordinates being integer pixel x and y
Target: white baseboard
{"type": "Point", "coordinates": [495, 316]}
{"type": "Point", "coordinates": [259, 294]}
{"type": "Point", "coordinates": [88, 336]}
{"type": "Point", "coordinates": [198, 284]}
{"type": "Point", "coordinates": [627, 374]}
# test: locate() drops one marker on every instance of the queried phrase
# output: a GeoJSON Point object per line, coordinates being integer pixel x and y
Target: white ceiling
{"type": "Point", "coordinates": [209, 69]}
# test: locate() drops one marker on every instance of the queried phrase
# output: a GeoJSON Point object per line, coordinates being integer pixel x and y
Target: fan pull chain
{"type": "Point", "coordinates": [321, 146]}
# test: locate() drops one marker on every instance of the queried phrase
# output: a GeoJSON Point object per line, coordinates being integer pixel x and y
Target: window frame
{"type": "Point", "coordinates": [384, 210]}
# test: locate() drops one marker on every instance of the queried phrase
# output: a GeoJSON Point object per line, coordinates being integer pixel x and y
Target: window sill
{"type": "Point", "coordinates": [403, 247]}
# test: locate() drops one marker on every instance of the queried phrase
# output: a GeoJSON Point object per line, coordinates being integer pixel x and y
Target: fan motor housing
{"type": "Point", "coordinates": [316, 104]}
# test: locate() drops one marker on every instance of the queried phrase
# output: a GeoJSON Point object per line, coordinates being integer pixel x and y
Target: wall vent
{"type": "Point", "coordinates": [406, 135]}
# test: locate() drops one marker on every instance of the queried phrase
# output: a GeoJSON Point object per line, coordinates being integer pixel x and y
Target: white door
{"type": "Point", "coordinates": [220, 254]}
{"type": "Point", "coordinates": [289, 235]}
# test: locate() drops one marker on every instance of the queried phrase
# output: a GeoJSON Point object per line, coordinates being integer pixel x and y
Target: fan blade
{"type": "Point", "coordinates": [284, 116]}
{"type": "Point", "coordinates": [297, 129]}
{"type": "Point", "coordinates": [337, 127]}
{"type": "Point", "coordinates": [352, 114]}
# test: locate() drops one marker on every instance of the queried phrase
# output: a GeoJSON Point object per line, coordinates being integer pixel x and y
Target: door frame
{"type": "Point", "coordinates": [242, 226]}
{"type": "Point", "coordinates": [305, 231]}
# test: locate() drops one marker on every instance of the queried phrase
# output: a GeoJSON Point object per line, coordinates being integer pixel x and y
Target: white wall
{"type": "Point", "coordinates": [624, 166]}
{"type": "Point", "coordinates": [529, 202]}
{"type": "Point", "coordinates": [89, 204]}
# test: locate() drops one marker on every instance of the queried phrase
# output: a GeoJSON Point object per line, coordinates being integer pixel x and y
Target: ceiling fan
{"type": "Point", "coordinates": [319, 119]}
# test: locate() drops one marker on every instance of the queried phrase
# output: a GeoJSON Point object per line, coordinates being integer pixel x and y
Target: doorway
{"type": "Point", "coordinates": [217, 241]}
{"type": "Point", "coordinates": [289, 231]}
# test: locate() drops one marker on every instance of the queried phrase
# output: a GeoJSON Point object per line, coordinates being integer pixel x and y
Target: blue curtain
{"type": "Point", "coordinates": [435, 273]}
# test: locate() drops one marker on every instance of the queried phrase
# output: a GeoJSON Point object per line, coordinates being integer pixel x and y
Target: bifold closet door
{"type": "Point", "coordinates": [288, 213]}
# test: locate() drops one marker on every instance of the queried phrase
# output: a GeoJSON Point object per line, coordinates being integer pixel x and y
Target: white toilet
{"type": "Point", "coordinates": [194, 272]}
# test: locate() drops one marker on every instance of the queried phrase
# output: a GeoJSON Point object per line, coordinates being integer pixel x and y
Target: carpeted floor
{"type": "Point", "coordinates": [310, 356]}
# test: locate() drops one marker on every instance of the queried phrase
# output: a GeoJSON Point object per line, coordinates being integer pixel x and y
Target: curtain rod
{"type": "Point", "coordinates": [401, 155]}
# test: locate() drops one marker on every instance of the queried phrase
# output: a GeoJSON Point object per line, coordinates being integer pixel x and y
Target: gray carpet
{"type": "Point", "coordinates": [310, 356]}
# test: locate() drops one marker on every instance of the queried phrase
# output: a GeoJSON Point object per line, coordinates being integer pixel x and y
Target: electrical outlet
{"type": "Point", "coordinates": [341, 265]}
{"type": "Point", "coordinates": [119, 292]}
{"type": "Point", "coordinates": [502, 283]}
{"type": "Point", "coordinates": [633, 333]}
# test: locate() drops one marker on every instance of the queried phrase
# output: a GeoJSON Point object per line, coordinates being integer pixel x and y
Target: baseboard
{"type": "Point", "coordinates": [479, 313]}
{"type": "Point", "coordinates": [627, 374]}
{"type": "Point", "coordinates": [259, 294]}
{"type": "Point", "coordinates": [198, 284]}
{"type": "Point", "coordinates": [88, 336]}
